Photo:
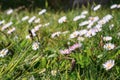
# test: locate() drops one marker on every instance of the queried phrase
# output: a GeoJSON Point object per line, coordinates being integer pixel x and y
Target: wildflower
{"type": "Point", "coordinates": [42, 11]}
{"type": "Point", "coordinates": [2, 22]}
{"type": "Point", "coordinates": [31, 19]}
{"type": "Point", "coordinates": [109, 64]}
{"type": "Point", "coordinates": [109, 46]}
{"type": "Point", "coordinates": [113, 6]}
{"type": "Point", "coordinates": [98, 28]}
{"type": "Point", "coordinates": [55, 34]}
{"type": "Point", "coordinates": [54, 72]}
{"type": "Point", "coordinates": [62, 19]}
{"type": "Point", "coordinates": [83, 32]}
{"type": "Point", "coordinates": [36, 28]}
{"type": "Point", "coordinates": [3, 52]}
{"type": "Point", "coordinates": [84, 23]}
{"type": "Point", "coordinates": [35, 45]}
{"type": "Point", "coordinates": [79, 17]}
{"type": "Point", "coordinates": [33, 32]}
{"type": "Point", "coordinates": [84, 13]}
{"type": "Point", "coordinates": [90, 33]}
{"type": "Point", "coordinates": [11, 30]}
{"type": "Point", "coordinates": [66, 51]}
{"type": "Point", "coordinates": [28, 37]}
{"type": "Point", "coordinates": [107, 38]}
{"type": "Point", "coordinates": [25, 18]}
{"type": "Point", "coordinates": [37, 20]}
{"type": "Point", "coordinates": [97, 7]}
{"type": "Point", "coordinates": [6, 26]}
{"type": "Point", "coordinates": [10, 11]}
{"type": "Point", "coordinates": [74, 34]}
{"type": "Point", "coordinates": [75, 46]}
{"type": "Point", "coordinates": [118, 6]}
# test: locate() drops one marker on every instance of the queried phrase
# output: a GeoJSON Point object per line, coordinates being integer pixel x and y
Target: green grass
{"type": "Point", "coordinates": [23, 63]}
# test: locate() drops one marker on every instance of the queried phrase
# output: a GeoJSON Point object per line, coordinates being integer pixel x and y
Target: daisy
{"type": "Point", "coordinates": [65, 51]}
{"type": "Point", "coordinates": [109, 46]}
{"type": "Point", "coordinates": [84, 13]}
{"type": "Point", "coordinates": [55, 34]}
{"type": "Point", "coordinates": [42, 11]}
{"type": "Point", "coordinates": [107, 38]}
{"type": "Point", "coordinates": [109, 64]}
{"type": "Point", "coordinates": [62, 19]}
{"type": "Point", "coordinates": [75, 46]}
{"type": "Point", "coordinates": [25, 18]}
{"type": "Point", "coordinates": [113, 6]}
{"type": "Point", "coordinates": [3, 52]}
{"type": "Point", "coordinates": [6, 26]}
{"type": "Point", "coordinates": [11, 30]}
{"type": "Point", "coordinates": [74, 34]}
{"type": "Point", "coordinates": [10, 11]}
{"type": "Point", "coordinates": [31, 19]}
{"type": "Point", "coordinates": [35, 45]}
{"type": "Point", "coordinates": [37, 20]}
{"type": "Point", "coordinates": [79, 17]}
{"type": "Point", "coordinates": [84, 23]}
{"type": "Point", "coordinates": [28, 37]}
{"type": "Point", "coordinates": [97, 7]}
{"type": "Point", "coordinates": [118, 6]}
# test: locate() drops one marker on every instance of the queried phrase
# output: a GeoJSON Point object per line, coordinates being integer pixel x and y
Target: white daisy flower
{"type": "Point", "coordinates": [31, 19]}
{"type": "Point", "coordinates": [35, 45]}
{"type": "Point", "coordinates": [62, 19]}
{"type": "Point", "coordinates": [11, 30]}
{"type": "Point", "coordinates": [28, 37]}
{"type": "Point", "coordinates": [74, 34]}
{"type": "Point", "coordinates": [10, 11]}
{"type": "Point", "coordinates": [37, 20]}
{"type": "Point", "coordinates": [42, 11]}
{"type": "Point", "coordinates": [6, 26]}
{"type": "Point", "coordinates": [97, 7]}
{"type": "Point", "coordinates": [25, 18]}
{"type": "Point", "coordinates": [107, 38]}
{"type": "Point", "coordinates": [84, 13]}
{"type": "Point", "coordinates": [90, 33]}
{"type": "Point", "coordinates": [83, 32]}
{"type": "Point", "coordinates": [118, 6]}
{"type": "Point", "coordinates": [113, 6]}
{"type": "Point", "coordinates": [79, 17]}
{"type": "Point", "coordinates": [33, 32]}
{"type": "Point", "coordinates": [36, 28]}
{"type": "Point", "coordinates": [109, 46]}
{"type": "Point", "coordinates": [3, 52]}
{"type": "Point", "coordinates": [84, 23]}
{"type": "Point", "coordinates": [55, 34]}
{"type": "Point", "coordinates": [109, 64]}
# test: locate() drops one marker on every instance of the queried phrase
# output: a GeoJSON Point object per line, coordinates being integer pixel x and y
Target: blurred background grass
{"type": "Point", "coordinates": [53, 4]}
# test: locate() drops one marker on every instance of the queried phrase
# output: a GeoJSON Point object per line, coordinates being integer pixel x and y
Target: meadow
{"type": "Point", "coordinates": [78, 44]}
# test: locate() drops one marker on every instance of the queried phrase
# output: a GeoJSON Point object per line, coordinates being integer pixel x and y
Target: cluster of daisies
{"type": "Point", "coordinates": [92, 25]}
